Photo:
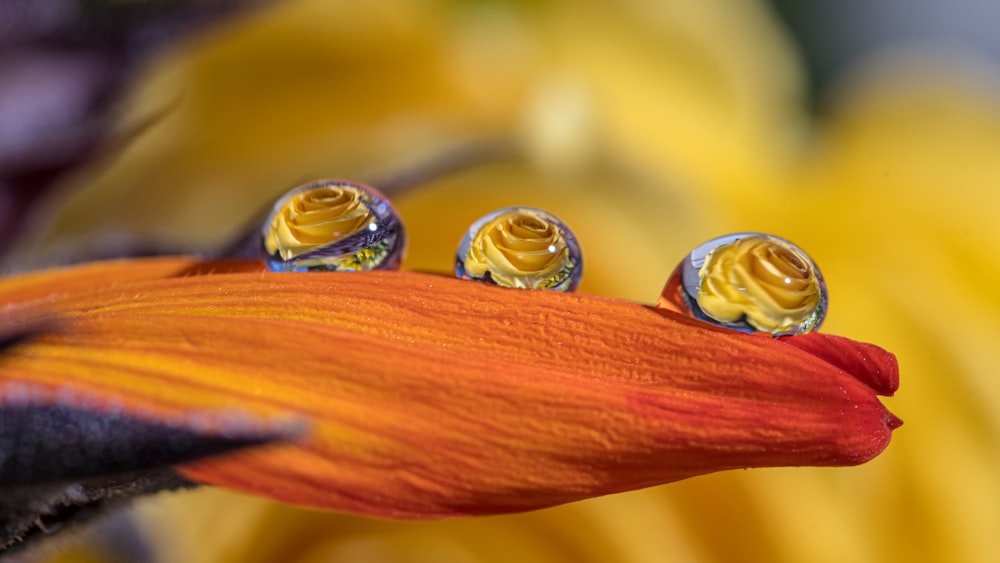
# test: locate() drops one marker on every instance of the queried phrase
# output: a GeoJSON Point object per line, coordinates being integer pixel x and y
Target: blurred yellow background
{"type": "Point", "coordinates": [649, 127]}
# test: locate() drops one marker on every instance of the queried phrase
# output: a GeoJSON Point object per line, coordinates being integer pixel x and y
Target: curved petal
{"type": "Point", "coordinates": [431, 396]}
{"type": "Point", "coordinates": [867, 362]}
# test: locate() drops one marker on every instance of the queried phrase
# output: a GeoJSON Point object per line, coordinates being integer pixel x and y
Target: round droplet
{"type": "Point", "coordinates": [749, 282]}
{"type": "Point", "coordinates": [333, 225]}
{"type": "Point", "coordinates": [520, 247]}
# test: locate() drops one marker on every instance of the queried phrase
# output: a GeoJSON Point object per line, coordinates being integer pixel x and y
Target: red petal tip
{"type": "Point", "coordinates": [868, 363]}
{"type": "Point", "coordinates": [892, 421]}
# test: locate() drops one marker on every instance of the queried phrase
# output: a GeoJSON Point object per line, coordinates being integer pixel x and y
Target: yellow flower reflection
{"type": "Point", "coordinates": [314, 218]}
{"type": "Point", "coordinates": [652, 126]}
{"type": "Point", "coordinates": [762, 279]}
{"type": "Point", "coordinates": [521, 247]}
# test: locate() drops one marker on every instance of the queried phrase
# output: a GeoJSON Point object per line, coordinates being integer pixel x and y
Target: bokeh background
{"type": "Point", "coordinates": [867, 134]}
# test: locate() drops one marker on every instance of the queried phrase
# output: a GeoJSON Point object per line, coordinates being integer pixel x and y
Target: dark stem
{"type": "Point", "coordinates": [31, 514]}
{"type": "Point", "coordinates": [247, 245]}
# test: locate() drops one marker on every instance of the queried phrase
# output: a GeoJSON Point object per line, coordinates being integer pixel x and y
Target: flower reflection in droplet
{"type": "Point", "coordinates": [750, 282]}
{"type": "Point", "coordinates": [333, 225]}
{"type": "Point", "coordinates": [521, 247]}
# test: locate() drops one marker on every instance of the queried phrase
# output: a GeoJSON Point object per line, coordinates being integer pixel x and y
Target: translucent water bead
{"type": "Point", "coordinates": [521, 247]}
{"type": "Point", "coordinates": [333, 225]}
{"type": "Point", "coordinates": [749, 282]}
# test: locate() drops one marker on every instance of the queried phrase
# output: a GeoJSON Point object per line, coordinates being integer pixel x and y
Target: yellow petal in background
{"type": "Point", "coordinates": [684, 124]}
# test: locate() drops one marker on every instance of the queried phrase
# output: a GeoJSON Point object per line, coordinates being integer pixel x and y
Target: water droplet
{"type": "Point", "coordinates": [521, 247]}
{"type": "Point", "coordinates": [333, 225]}
{"type": "Point", "coordinates": [749, 282]}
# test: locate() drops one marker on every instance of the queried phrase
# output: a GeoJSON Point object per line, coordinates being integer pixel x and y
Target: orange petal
{"type": "Point", "coordinates": [429, 396]}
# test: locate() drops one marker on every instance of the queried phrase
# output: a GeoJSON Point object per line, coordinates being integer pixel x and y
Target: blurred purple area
{"type": "Point", "coordinates": [63, 65]}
